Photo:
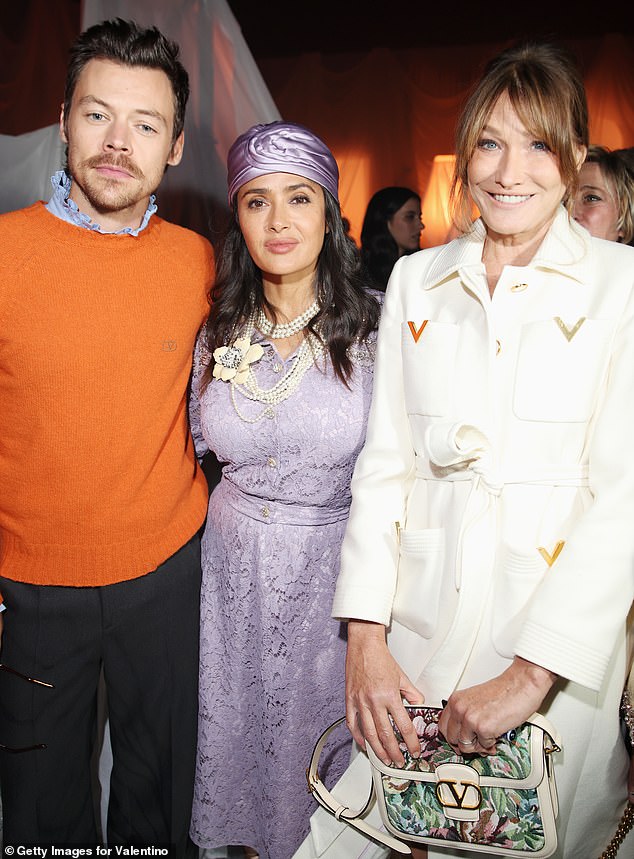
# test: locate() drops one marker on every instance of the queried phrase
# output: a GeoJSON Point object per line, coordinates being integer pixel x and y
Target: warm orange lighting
{"type": "Point", "coordinates": [438, 226]}
{"type": "Point", "coordinates": [354, 187]}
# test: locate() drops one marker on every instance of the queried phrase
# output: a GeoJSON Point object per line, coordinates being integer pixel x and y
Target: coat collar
{"type": "Point", "coordinates": [565, 250]}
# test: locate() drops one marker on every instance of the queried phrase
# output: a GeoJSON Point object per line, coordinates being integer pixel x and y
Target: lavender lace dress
{"type": "Point", "coordinates": [272, 659]}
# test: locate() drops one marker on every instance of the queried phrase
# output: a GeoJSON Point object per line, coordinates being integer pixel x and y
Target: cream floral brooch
{"type": "Point", "coordinates": [232, 362]}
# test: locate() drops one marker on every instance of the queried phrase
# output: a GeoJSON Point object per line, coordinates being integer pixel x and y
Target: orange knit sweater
{"type": "Point", "coordinates": [98, 478]}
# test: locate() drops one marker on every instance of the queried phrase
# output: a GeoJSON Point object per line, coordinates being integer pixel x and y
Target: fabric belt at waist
{"type": "Point", "coordinates": [541, 474]}
{"type": "Point", "coordinates": [273, 512]}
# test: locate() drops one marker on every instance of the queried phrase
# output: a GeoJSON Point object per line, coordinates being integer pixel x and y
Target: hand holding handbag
{"type": "Point", "coordinates": [504, 804]}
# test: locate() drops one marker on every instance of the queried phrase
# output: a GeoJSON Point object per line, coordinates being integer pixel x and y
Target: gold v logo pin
{"type": "Point", "coordinates": [416, 332]}
{"type": "Point", "coordinates": [550, 559]}
{"type": "Point", "coordinates": [569, 333]}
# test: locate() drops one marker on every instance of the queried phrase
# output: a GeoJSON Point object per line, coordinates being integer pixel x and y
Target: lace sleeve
{"type": "Point", "coordinates": [363, 352]}
{"type": "Point", "coordinates": [201, 361]}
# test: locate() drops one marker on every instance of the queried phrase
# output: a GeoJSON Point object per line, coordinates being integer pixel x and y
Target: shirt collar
{"type": "Point", "coordinates": [565, 249]}
{"type": "Point", "coordinates": [63, 207]}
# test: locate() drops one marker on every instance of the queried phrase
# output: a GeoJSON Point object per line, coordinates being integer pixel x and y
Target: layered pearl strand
{"type": "Point", "coordinates": [286, 329]}
{"type": "Point", "coordinates": [310, 349]}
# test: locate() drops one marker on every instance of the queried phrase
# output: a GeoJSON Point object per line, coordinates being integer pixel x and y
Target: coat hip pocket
{"type": "Point", "coordinates": [420, 573]}
{"type": "Point", "coordinates": [519, 577]}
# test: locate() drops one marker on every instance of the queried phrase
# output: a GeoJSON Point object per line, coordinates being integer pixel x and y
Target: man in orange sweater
{"type": "Point", "coordinates": [101, 497]}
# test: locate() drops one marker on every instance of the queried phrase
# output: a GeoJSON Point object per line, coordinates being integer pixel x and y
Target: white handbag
{"type": "Point", "coordinates": [503, 804]}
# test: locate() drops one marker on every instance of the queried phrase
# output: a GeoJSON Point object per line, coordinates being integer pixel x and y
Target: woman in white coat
{"type": "Point", "coordinates": [500, 440]}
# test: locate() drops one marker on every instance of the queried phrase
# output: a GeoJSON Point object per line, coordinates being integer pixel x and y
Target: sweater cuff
{"type": "Point", "coordinates": [570, 659]}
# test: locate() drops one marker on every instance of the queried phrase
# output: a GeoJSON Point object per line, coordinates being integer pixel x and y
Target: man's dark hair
{"type": "Point", "coordinates": [126, 43]}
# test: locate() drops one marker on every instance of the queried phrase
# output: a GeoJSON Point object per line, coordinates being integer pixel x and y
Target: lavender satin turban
{"type": "Point", "coordinates": [281, 147]}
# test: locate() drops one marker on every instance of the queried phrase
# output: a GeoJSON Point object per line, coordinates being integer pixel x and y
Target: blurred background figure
{"type": "Point", "coordinates": [615, 169]}
{"type": "Point", "coordinates": [391, 229]}
{"type": "Point", "coordinates": [627, 155]}
{"type": "Point", "coordinates": [604, 203]}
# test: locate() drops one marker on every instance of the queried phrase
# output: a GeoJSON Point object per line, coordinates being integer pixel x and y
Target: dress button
{"type": "Point", "coordinates": [265, 512]}
{"type": "Point", "coordinates": [498, 347]}
{"type": "Point", "coordinates": [271, 461]}
{"type": "Point", "coordinates": [277, 368]}
{"type": "Point", "coordinates": [270, 413]}
{"type": "Point", "coordinates": [519, 287]}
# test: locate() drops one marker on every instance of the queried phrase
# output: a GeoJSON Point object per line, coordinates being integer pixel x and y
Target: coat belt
{"type": "Point", "coordinates": [494, 481]}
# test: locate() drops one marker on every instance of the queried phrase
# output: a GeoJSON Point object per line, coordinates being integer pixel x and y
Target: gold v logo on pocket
{"type": "Point", "coordinates": [550, 559]}
{"type": "Point", "coordinates": [569, 333]}
{"type": "Point", "coordinates": [416, 332]}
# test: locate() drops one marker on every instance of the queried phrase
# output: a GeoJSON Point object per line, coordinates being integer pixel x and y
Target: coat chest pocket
{"type": "Point", "coordinates": [559, 367]}
{"type": "Point", "coordinates": [429, 358]}
{"type": "Point", "coordinates": [420, 570]}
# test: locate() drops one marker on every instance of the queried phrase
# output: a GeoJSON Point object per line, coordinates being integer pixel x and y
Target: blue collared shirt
{"type": "Point", "coordinates": [63, 207]}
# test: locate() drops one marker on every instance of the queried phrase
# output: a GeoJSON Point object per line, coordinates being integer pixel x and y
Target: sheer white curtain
{"type": "Point", "coordinates": [27, 162]}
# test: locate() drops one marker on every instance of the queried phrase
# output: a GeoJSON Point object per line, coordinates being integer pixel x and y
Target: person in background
{"type": "Point", "coordinates": [391, 228]}
{"type": "Point", "coordinates": [604, 202]}
{"type": "Point", "coordinates": [281, 391]}
{"type": "Point", "coordinates": [604, 205]}
{"type": "Point", "coordinates": [101, 496]}
{"type": "Point", "coordinates": [627, 154]}
{"type": "Point", "coordinates": [499, 442]}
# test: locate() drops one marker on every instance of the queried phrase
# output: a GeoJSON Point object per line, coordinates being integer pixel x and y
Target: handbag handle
{"type": "Point", "coordinates": [548, 728]}
{"type": "Point", "coordinates": [342, 812]}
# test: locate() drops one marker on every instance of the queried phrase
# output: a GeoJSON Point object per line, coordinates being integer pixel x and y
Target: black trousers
{"type": "Point", "coordinates": [144, 633]}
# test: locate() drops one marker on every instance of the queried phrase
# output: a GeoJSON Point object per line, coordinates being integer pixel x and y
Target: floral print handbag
{"type": "Point", "coordinates": [497, 805]}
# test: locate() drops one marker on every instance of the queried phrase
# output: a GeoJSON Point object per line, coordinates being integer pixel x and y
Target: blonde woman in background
{"type": "Point", "coordinates": [604, 202]}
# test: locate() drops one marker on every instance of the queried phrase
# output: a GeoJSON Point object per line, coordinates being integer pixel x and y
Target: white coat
{"type": "Point", "coordinates": [501, 440]}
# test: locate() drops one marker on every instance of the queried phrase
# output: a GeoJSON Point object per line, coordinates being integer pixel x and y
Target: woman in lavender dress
{"type": "Point", "coordinates": [281, 391]}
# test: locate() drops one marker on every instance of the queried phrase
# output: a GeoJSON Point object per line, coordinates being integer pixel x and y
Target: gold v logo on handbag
{"type": "Point", "coordinates": [550, 559]}
{"type": "Point", "coordinates": [416, 332]}
{"type": "Point", "coordinates": [458, 791]}
{"type": "Point", "coordinates": [569, 333]}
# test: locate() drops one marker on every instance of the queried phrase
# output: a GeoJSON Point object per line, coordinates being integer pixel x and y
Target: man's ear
{"type": "Point", "coordinates": [62, 125]}
{"type": "Point", "coordinates": [176, 152]}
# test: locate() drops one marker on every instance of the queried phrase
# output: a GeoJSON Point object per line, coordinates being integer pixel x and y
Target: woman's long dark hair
{"type": "Point", "coordinates": [379, 251]}
{"type": "Point", "coordinates": [348, 310]}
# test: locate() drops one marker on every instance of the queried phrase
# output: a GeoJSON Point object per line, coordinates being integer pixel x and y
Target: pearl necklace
{"type": "Point", "coordinates": [309, 351]}
{"type": "Point", "coordinates": [286, 329]}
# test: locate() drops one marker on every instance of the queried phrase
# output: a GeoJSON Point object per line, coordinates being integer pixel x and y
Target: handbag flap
{"type": "Point", "coordinates": [518, 761]}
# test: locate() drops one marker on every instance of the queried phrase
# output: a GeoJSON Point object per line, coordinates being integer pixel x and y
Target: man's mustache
{"type": "Point", "coordinates": [122, 162]}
